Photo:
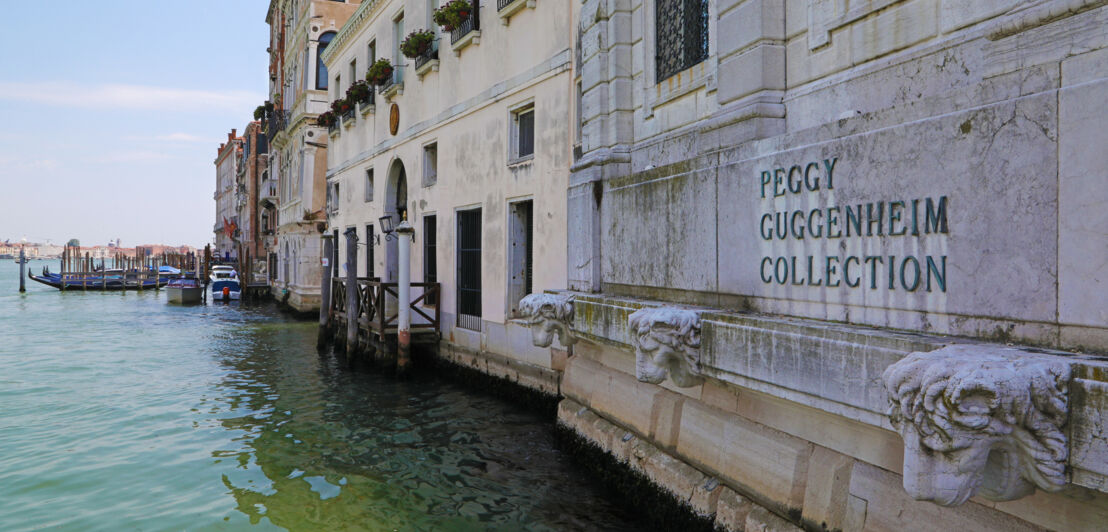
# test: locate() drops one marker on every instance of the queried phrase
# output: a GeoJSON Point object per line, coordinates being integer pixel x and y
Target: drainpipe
{"type": "Point", "coordinates": [406, 233]}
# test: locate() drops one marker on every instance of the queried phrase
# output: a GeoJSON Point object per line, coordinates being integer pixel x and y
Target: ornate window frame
{"type": "Point", "coordinates": [702, 75]}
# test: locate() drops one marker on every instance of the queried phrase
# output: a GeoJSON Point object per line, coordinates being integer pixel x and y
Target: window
{"type": "Point", "coordinates": [334, 198]}
{"type": "Point", "coordinates": [680, 37]}
{"type": "Point", "coordinates": [372, 52]}
{"type": "Point", "coordinates": [353, 71]}
{"type": "Point", "coordinates": [520, 252]}
{"type": "Point", "coordinates": [522, 134]}
{"type": "Point", "coordinates": [469, 269]}
{"type": "Point", "coordinates": [320, 68]}
{"type": "Point", "coordinates": [398, 58]}
{"type": "Point", "coordinates": [338, 87]}
{"type": "Point", "coordinates": [430, 164]}
{"type": "Point", "coordinates": [430, 260]}
{"type": "Point", "coordinates": [369, 185]}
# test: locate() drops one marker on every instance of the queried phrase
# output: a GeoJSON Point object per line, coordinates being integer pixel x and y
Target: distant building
{"type": "Point", "coordinates": [299, 32]}
{"type": "Point", "coordinates": [252, 160]}
{"type": "Point", "coordinates": [226, 216]}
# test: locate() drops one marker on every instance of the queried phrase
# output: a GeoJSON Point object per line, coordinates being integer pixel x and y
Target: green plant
{"type": "Point", "coordinates": [259, 112]}
{"type": "Point", "coordinates": [326, 119]}
{"type": "Point", "coordinates": [417, 43]}
{"type": "Point", "coordinates": [358, 92]}
{"type": "Point", "coordinates": [379, 73]}
{"type": "Point", "coordinates": [452, 14]}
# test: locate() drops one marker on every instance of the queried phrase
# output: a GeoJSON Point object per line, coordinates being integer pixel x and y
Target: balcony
{"type": "Point", "coordinates": [277, 122]}
{"type": "Point", "coordinates": [506, 8]}
{"type": "Point", "coordinates": [348, 119]}
{"type": "Point", "coordinates": [395, 85]}
{"type": "Point", "coordinates": [428, 61]}
{"type": "Point", "coordinates": [368, 105]}
{"type": "Point", "coordinates": [267, 194]}
{"type": "Point", "coordinates": [467, 33]}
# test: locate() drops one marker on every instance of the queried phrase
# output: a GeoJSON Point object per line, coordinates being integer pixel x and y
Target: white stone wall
{"type": "Point", "coordinates": [984, 105]}
{"type": "Point", "coordinates": [465, 108]}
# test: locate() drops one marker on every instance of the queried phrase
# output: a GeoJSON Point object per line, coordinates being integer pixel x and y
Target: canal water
{"type": "Point", "coordinates": [120, 412]}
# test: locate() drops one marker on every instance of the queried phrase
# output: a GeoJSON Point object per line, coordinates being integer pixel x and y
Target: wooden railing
{"type": "Point", "coordinates": [378, 306]}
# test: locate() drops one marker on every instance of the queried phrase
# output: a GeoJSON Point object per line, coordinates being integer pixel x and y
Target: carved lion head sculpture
{"type": "Point", "coordinates": [666, 341]}
{"type": "Point", "coordinates": [548, 314]}
{"type": "Point", "coordinates": [979, 418]}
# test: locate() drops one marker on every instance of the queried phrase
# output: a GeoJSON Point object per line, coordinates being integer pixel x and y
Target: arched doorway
{"type": "Point", "coordinates": [396, 206]}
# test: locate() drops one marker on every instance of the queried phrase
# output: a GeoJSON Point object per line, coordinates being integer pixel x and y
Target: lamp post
{"type": "Point", "coordinates": [405, 233]}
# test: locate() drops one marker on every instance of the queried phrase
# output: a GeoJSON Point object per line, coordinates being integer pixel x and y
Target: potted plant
{"type": "Point", "coordinates": [259, 112]}
{"type": "Point", "coordinates": [417, 43]}
{"type": "Point", "coordinates": [358, 92]}
{"type": "Point", "coordinates": [326, 119]}
{"type": "Point", "coordinates": [379, 73]}
{"type": "Point", "coordinates": [342, 106]}
{"type": "Point", "coordinates": [452, 14]}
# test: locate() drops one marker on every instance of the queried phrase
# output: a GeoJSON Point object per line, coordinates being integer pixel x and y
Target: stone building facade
{"type": "Point", "coordinates": [471, 143]}
{"type": "Point", "coordinates": [298, 148]}
{"type": "Point", "coordinates": [838, 265]}
{"type": "Point", "coordinates": [226, 212]}
{"type": "Point", "coordinates": [248, 181]}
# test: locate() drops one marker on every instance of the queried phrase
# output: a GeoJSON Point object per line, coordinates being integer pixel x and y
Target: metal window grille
{"type": "Point", "coordinates": [469, 269]}
{"type": "Point", "coordinates": [681, 35]}
{"type": "Point", "coordinates": [430, 260]}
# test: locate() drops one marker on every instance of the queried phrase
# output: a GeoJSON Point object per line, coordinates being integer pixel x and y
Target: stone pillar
{"type": "Point", "coordinates": [406, 233]}
{"type": "Point", "coordinates": [604, 64]}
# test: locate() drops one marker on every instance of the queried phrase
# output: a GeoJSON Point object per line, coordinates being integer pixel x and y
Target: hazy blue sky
{"type": "Point", "coordinates": [111, 113]}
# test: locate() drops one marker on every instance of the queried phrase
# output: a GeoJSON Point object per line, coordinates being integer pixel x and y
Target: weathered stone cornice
{"type": "Point", "coordinates": [975, 417]}
{"type": "Point", "coordinates": [362, 16]}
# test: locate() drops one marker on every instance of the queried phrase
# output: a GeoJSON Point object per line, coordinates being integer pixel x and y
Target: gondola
{"type": "Point", "coordinates": [109, 280]}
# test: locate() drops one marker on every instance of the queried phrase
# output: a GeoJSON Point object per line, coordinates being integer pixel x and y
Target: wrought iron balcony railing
{"type": "Point", "coordinates": [396, 80]}
{"type": "Point", "coordinates": [471, 24]}
{"type": "Point", "coordinates": [431, 54]}
{"type": "Point", "coordinates": [276, 123]}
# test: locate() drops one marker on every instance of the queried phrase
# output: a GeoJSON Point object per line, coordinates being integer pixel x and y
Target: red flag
{"type": "Point", "coordinates": [227, 229]}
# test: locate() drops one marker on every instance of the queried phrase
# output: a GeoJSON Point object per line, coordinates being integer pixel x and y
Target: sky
{"type": "Point", "coordinates": [111, 113]}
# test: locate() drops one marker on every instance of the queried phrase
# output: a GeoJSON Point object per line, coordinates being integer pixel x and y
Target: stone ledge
{"type": "Point", "coordinates": [539, 379]}
{"type": "Point", "coordinates": [702, 494]}
{"type": "Point", "coordinates": [844, 370]}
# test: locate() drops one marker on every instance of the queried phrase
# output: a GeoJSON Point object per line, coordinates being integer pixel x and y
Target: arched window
{"type": "Point", "coordinates": [320, 68]}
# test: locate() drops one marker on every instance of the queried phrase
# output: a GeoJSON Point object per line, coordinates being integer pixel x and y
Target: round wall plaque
{"type": "Point", "coordinates": [394, 119]}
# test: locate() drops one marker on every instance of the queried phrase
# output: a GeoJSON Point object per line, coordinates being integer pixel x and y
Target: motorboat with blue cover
{"type": "Point", "coordinates": [224, 283]}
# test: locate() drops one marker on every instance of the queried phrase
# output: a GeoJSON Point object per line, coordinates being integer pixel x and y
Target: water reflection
{"type": "Point", "coordinates": [319, 447]}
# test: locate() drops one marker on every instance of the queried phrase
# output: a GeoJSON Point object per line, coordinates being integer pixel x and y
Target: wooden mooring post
{"type": "Point", "coordinates": [22, 270]}
{"type": "Point", "coordinates": [325, 292]}
{"type": "Point", "coordinates": [351, 290]}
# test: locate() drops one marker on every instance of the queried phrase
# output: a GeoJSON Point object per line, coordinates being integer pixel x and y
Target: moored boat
{"type": "Point", "coordinates": [225, 283]}
{"type": "Point", "coordinates": [184, 290]}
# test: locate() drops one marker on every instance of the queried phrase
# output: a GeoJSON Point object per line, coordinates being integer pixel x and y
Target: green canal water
{"type": "Point", "coordinates": [120, 412]}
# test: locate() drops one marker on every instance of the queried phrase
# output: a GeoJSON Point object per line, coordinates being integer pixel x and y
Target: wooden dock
{"type": "Point", "coordinates": [378, 313]}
